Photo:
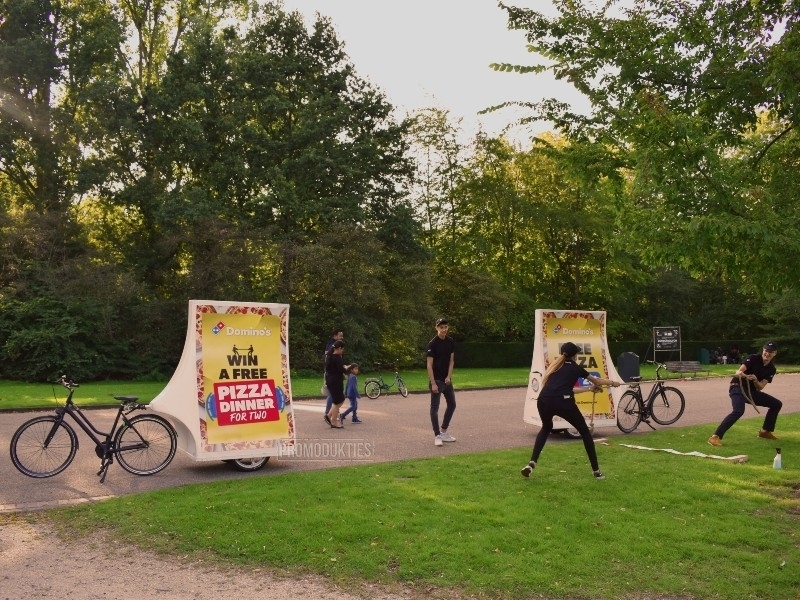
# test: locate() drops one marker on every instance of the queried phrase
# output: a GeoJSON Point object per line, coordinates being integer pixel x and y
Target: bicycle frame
{"type": "Point", "coordinates": [671, 404]}
{"type": "Point", "coordinates": [84, 423]}
{"type": "Point", "coordinates": [104, 446]}
{"type": "Point", "coordinates": [375, 386]}
{"type": "Point", "coordinates": [46, 445]}
{"type": "Point", "coordinates": [645, 405]}
{"type": "Point", "coordinates": [387, 386]}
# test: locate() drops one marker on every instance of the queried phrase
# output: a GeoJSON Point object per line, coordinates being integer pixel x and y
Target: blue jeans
{"type": "Point", "coordinates": [738, 403]}
{"type": "Point", "coordinates": [450, 400]}
{"type": "Point", "coordinates": [353, 409]}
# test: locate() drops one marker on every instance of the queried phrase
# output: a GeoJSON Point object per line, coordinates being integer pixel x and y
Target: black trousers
{"type": "Point", "coordinates": [569, 411]}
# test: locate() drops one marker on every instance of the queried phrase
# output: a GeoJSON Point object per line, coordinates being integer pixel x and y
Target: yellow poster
{"type": "Point", "coordinates": [230, 396]}
{"type": "Point", "coordinates": [587, 330]}
{"type": "Point", "coordinates": [242, 381]}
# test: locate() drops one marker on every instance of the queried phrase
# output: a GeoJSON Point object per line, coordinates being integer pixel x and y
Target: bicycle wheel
{"type": "Point", "coordinates": [629, 412]}
{"type": "Point", "coordinates": [372, 388]}
{"type": "Point", "coordinates": [248, 464]}
{"type": "Point", "coordinates": [401, 385]}
{"type": "Point", "coordinates": [145, 445]}
{"type": "Point", "coordinates": [667, 405]}
{"type": "Point", "coordinates": [34, 456]}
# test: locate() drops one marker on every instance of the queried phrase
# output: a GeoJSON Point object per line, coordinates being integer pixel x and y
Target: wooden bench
{"type": "Point", "coordinates": [692, 367]}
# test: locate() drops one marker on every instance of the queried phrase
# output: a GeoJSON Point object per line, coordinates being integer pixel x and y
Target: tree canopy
{"type": "Point", "coordinates": [157, 151]}
{"type": "Point", "coordinates": [698, 102]}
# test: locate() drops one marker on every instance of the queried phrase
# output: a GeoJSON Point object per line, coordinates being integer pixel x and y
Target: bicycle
{"type": "Point", "coordinates": [664, 404]}
{"type": "Point", "coordinates": [374, 386]}
{"type": "Point", "coordinates": [143, 445]}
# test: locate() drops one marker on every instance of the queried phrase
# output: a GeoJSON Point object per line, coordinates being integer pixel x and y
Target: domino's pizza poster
{"type": "Point", "coordinates": [243, 388]}
{"type": "Point", "coordinates": [586, 329]}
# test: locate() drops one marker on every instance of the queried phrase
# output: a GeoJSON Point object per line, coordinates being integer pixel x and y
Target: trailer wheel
{"type": "Point", "coordinates": [248, 464]}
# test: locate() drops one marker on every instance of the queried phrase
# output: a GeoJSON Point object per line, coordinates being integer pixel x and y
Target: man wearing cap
{"type": "Point", "coordinates": [441, 359]}
{"type": "Point", "coordinates": [746, 387]}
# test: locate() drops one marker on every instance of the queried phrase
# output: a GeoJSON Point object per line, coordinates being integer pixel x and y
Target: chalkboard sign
{"type": "Point", "coordinates": [667, 338]}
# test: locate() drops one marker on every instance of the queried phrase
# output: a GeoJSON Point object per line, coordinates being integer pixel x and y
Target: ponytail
{"type": "Point", "coordinates": [554, 366]}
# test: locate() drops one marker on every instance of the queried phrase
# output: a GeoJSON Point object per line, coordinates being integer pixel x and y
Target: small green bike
{"type": "Point", "coordinates": [374, 386]}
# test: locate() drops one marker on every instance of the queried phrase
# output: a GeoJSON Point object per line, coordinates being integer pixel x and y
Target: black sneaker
{"type": "Point", "coordinates": [599, 476]}
{"type": "Point", "coordinates": [528, 469]}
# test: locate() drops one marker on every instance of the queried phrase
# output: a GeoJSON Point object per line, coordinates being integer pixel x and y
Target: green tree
{"type": "Point", "coordinates": [440, 157]}
{"type": "Point", "coordinates": [216, 147]}
{"type": "Point", "coordinates": [676, 89]}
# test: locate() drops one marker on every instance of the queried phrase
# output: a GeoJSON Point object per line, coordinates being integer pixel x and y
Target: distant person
{"type": "Point", "coordinates": [734, 356]}
{"type": "Point", "coordinates": [722, 358]}
{"type": "Point", "coordinates": [557, 398]}
{"type": "Point", "coordinates": [335, 370]}
{"type": "Point", "coordinates": [746, 387]}
{"type": "Point", "coordinates": [440, 362]}
{"type": "Point", "coordinates": [337, 335]}
{"type": "Point", "coordinates": [351, 393]}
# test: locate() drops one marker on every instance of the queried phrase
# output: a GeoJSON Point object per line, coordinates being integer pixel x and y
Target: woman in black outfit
{"type": "Point", "coordinates": [557, 398]}
{"type": "Point", "coordinates": [335, 370]}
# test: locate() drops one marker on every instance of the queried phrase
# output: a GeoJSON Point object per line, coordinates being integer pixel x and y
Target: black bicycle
{"type": "Point", "coordinates": [664, 404]}
{"type": "Point", "coordinates": [46, 445]}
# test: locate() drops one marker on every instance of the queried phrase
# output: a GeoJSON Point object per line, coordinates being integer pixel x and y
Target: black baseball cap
{"type": "Point", "coordinates": [441, 321]}
{"type": "Point", "coordinates": [771, 346]}
{"type": "Point", "coordinates": [569, 349]}
{"type": "Point", "coordinates": [338, 344]}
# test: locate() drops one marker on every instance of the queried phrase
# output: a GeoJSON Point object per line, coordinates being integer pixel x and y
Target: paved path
{"type": "Point", "coordinates": [394, 428]}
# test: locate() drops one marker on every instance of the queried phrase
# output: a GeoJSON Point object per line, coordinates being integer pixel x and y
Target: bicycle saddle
{"type": "Point", "coordinates": [127, 398]}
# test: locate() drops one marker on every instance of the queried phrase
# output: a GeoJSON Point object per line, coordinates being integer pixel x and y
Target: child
{"type": "Point", "coordinates": [351, 393]}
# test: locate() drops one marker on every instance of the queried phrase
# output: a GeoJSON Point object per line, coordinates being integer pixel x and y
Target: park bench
{"type": "Point", "coordinates": [684, 367]}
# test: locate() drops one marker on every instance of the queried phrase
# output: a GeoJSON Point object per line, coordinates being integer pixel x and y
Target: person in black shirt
{"type": "Point", "coordinates": [557, 398]}
{"type": "Point", "coordinates": [440, 360]}
{"type": "Point", "coordinates": [335, 370]}
{"type": "Point", "coordinates": [336, 336]}
{"type": "Point", "coordinates": [746, 386]}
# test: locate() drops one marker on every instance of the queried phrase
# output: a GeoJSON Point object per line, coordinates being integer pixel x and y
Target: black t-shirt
{"type": "Point", "coordinates": [755, 364]}
{"type": "Point", "coordinates": [440, 350]}
{"type": "Point", "coordinates": [561, 382]}
{"type": "Point", "coordinates": [334, 369]}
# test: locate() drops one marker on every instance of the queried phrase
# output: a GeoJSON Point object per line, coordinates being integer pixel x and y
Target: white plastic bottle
{"type": "Point", "coordinates": [777, 462]}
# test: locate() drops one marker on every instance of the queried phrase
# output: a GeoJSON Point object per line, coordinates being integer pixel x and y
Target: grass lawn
{"type": "Point", "coordinates": [19, 395]}
{"type": "Point", "coordinates": [660, 525]}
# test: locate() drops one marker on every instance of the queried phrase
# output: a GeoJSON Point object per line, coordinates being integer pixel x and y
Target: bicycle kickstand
{"type": "Point", "coordinates": [647, 422]}
{"type": "Point", "coordinates": [104, 464]}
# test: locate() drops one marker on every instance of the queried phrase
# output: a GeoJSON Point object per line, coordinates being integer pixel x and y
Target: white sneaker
{"type": "Point", "coordinates": [446, 437]}
{"type": "Point", "coordinates": [437, 441]}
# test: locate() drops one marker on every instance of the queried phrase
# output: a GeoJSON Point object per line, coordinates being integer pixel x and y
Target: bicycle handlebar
{"type": "Point", "coordinates": [67, 383]}
{"type": "Point", "coordinates": [658, 364]}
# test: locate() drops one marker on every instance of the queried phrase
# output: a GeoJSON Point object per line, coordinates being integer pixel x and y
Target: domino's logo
{"type": "Point", "coordinates": [217, 328]}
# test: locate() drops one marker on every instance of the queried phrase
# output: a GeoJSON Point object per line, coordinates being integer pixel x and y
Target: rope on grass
{"type": "Point", "coordinates": [739, 458]}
